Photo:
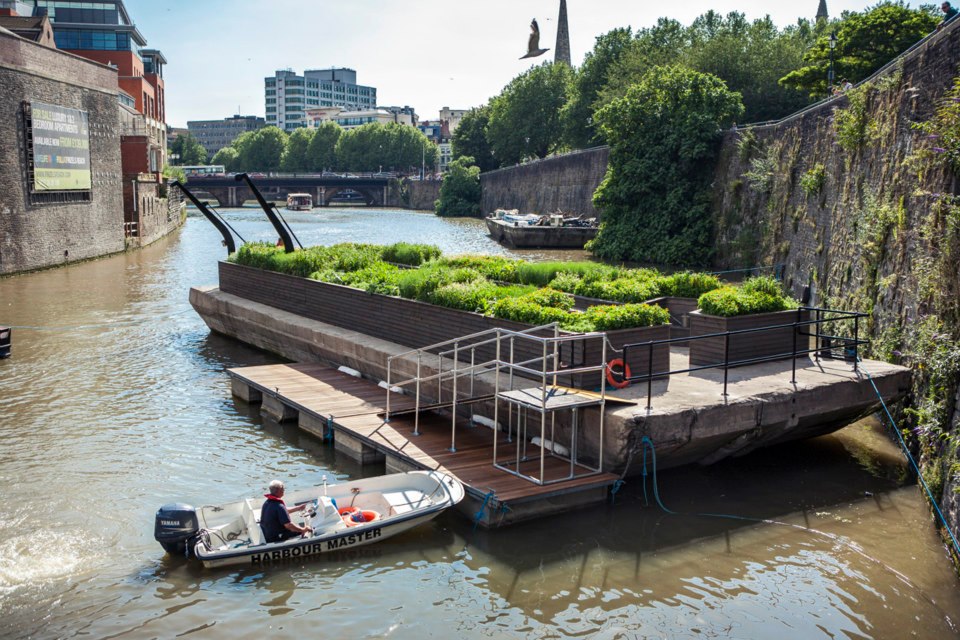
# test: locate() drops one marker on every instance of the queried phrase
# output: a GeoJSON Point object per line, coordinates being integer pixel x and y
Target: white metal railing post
{"type": "Point", "coordinates": [416, 411]}
{"type": "Point", "coordinates": [387, 416]}
{"type": "Point", "coordinates": [543, 411]}
{"type": "Point", "coordinates": [453, 406]}
{"type": "Point", "coordinates": [496, 404]}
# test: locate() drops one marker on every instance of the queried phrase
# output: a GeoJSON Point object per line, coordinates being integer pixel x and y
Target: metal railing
{"type": "Point", "coordinates": [456, 360]}
{"type": "Point", "coordinates": [825, 345]}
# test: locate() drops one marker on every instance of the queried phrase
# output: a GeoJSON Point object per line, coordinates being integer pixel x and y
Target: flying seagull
{"type": "Point", "coordinates": [533, 46]}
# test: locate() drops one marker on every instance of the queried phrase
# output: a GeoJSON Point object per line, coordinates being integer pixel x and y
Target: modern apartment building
{"type": "Point", "coordinates": [287, 95]}
{"type": "Point", "coordinates": [353, 119]}
{"type": "Point", "coordinates": [217, 134]}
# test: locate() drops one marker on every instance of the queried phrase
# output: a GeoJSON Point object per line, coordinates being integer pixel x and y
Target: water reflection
{"type": "Point", "coordinates": [116, 401]}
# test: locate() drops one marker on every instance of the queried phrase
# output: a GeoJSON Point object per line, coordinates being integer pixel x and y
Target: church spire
{"type": "Point", "coordinates": [822, 11]}
{"type": "Point", "coordinates": [562, 52]}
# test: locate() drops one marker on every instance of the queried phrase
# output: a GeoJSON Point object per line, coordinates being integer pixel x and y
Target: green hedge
{"type": "Point", "coordinates": [472, 282]}
{"type": "Point", "coordinates": [756, 295]}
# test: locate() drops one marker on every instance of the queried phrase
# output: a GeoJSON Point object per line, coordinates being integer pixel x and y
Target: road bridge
{"type": "Point", "coordinates": [228, 192]}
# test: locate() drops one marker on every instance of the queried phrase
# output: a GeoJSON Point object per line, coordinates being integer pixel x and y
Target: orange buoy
{"type": "Point", "coordinates": [620, 378]}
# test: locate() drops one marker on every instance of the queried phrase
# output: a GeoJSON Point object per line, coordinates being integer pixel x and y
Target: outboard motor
{"type": "Point", "coordinates": [175, 527]}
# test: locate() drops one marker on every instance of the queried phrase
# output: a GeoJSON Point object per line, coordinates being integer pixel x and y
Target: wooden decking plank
{"type": "Point", "coordinates": [358, 406]}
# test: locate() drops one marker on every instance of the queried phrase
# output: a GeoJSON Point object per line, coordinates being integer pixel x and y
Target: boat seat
{"type": "Point", "coordinates": [251, 517]}
{"type": "Point", "coordinates": [404, 501]}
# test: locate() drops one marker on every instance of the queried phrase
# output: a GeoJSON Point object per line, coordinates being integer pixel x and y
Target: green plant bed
{"type": "Point", "coordinates": [416, 324]}
{"type": "Point", "coordinates": [475, 283]}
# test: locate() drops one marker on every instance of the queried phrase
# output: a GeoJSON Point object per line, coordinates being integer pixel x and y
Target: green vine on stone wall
{"type": "Point", "coordinates": [943, 129]}
{"type": "Point", "coordinates": [812, 180]}
{"type": "Point", "coordinates": [853, 125]}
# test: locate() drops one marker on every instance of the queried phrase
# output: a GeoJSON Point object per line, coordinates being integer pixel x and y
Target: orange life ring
{"type": "Point", "coordinates": [359, 517]}
{"type": "Point", "coordinates": [623, 375]}
{"type": "Point", "coordinates": [346, 512]}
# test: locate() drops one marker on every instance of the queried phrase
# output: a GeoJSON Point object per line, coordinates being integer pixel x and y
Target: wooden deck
{"type": "Point", "coordinates": [354, 408]}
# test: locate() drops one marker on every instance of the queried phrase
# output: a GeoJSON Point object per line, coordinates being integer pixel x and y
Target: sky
{"type": "Point", "coordinates": [427, 54]}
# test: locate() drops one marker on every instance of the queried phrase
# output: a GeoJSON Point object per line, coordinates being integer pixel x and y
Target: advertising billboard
{"type": "Point", "coordinates": [61, 148]}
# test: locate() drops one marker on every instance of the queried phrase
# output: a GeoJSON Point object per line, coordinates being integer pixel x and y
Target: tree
{"type": "Point", "coordinates": [655, 198]}
{"type": "Point", "coordinates": [460, 190]}
{"type": "Point", "coordinates": [749, 56]}
{"type": "Point", "coordinates": [587, 82]}
{"type": "Point", "coordinates": [296, 154]}
{"type": "Point", "coordinates": [189, 150]}
{"type": "Point", "coordinates": [865, 42]}
{"type": "Point", "coordinates": [322, 150]}
{"type": "Point", "coordinates": [525, 117]}
{"type": "Point", "coordinates": [228, 158]}
{"type": "Point", "coordinates": [393, 146]}
{"type": "Point", "coordinates": [261, 150]}
{"type": "Point", "coordinates": [470, 138]}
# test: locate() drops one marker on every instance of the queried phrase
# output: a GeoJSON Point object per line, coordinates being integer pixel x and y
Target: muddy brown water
{"type": "Point", "coordinates": [115, 401]}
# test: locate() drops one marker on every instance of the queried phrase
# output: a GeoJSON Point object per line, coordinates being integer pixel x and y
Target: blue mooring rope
{"type": "Point", "coordinates": [477, 518]}
{"type": "Point", "coordinates": [913, 463]}
{"type": "Point", "coordinates": [647, 443]}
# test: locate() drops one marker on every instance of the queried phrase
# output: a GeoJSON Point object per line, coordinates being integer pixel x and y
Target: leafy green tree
{"type": "Point", "coordinates": [261, 150]}
{"type": "Point", "coordinates": [322, 150]}
{"type": "Point", "coordinates": [587, 82]}
{"type": "Point", "coordinates": [460, 190]}
{"type": "Point", "coordinates": [188, 149]}
{"type": "Point", "coordinates": [749, 56]}
{"type": "Point", "coordinates": [470, 138]}
{"type": "Point", "coordinates": [393, 146]}
{"type": "Point", "coordinates": [662, 44]}
{"type": "Point", "coordinates": [296, 154]}
{"type": "Point", "coordinates": [228, 157]}
{"type": "Point", "coordinates": [525, 117]}
{"type": "Point", "coordinates": [865, 42]}
{"type": "Point", "coordinates": [664, 135]}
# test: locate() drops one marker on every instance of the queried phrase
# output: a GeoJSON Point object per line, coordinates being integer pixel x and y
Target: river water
{"type": "Point", "coordinates": [115, 401]}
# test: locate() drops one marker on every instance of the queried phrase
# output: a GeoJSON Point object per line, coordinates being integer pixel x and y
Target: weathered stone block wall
{"type": "Point", "coordinates": [421, 194]}
{"type": "Point", "coordinates": [34, 236]}
{"type": "Point", "coordinates": [879, 232]}
{"type": "Point", "coordinates": [563, 183]}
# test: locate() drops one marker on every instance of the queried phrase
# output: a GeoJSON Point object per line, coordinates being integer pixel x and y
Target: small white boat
{"type": "Point", "coordinates": [299, 202]}
{"type": "Point", "coordinates": [342, 516]}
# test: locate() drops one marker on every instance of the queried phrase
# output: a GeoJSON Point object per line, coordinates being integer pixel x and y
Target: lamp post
{"type": "Point", "coordinates": [833, 45]}
{"type": "Point", "coordinates": [423, 158]}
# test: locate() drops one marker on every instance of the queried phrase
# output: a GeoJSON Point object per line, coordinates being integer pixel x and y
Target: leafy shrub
{"type": "Point", "coordinates": [565, 281]}
{"type": "Point", "coordinates": [551, 298]}
{"type": "Point", "coordinates": [811, 182]}
{"type": "Point", "coordinates": [379, 277]}
{"type": "Point", "coordinates": [410, 254]}
{"type": "Point", "coordinates": [466, 296]}
{"type": "Point", "coordinates": [493, 267]}
{"type": "Point", "coordinates": [767, 285]}
{"type": "Point", "coordinates": [624, 316]}
{"type": "Point", "coordinates": [757, 295]}
{"type": "Point", "coordinates": [351, 256]}
{"type": "Point", "coordinates": [621, 290]}
{"type": "Point", "coordinates": [685, 284]}
{"type": "Point", "coordinates": [522, 309]}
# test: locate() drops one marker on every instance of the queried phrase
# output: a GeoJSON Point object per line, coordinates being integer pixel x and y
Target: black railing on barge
{"type": "Point", "coordinates": [825, 346]}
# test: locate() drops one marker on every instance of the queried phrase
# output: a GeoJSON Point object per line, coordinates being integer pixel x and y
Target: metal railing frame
{"type": "Point", "coordinates": [547, 373]}
{"type": "Point", "coordinates": [726, 364]}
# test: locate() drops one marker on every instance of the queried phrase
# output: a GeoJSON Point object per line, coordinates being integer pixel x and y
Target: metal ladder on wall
{"type": "Point", "coordinates": [516, 368]}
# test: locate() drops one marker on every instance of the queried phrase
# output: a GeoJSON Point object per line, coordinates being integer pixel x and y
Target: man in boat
{"type": "Point", "coordinates": [275, 517]}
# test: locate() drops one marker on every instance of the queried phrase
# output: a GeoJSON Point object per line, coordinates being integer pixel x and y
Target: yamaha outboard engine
{"type": "Point", "coordinates": [175, 527]}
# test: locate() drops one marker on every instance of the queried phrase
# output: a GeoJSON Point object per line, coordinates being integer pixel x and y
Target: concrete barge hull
{"type": "Point", "coordinates": [690, 420]}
